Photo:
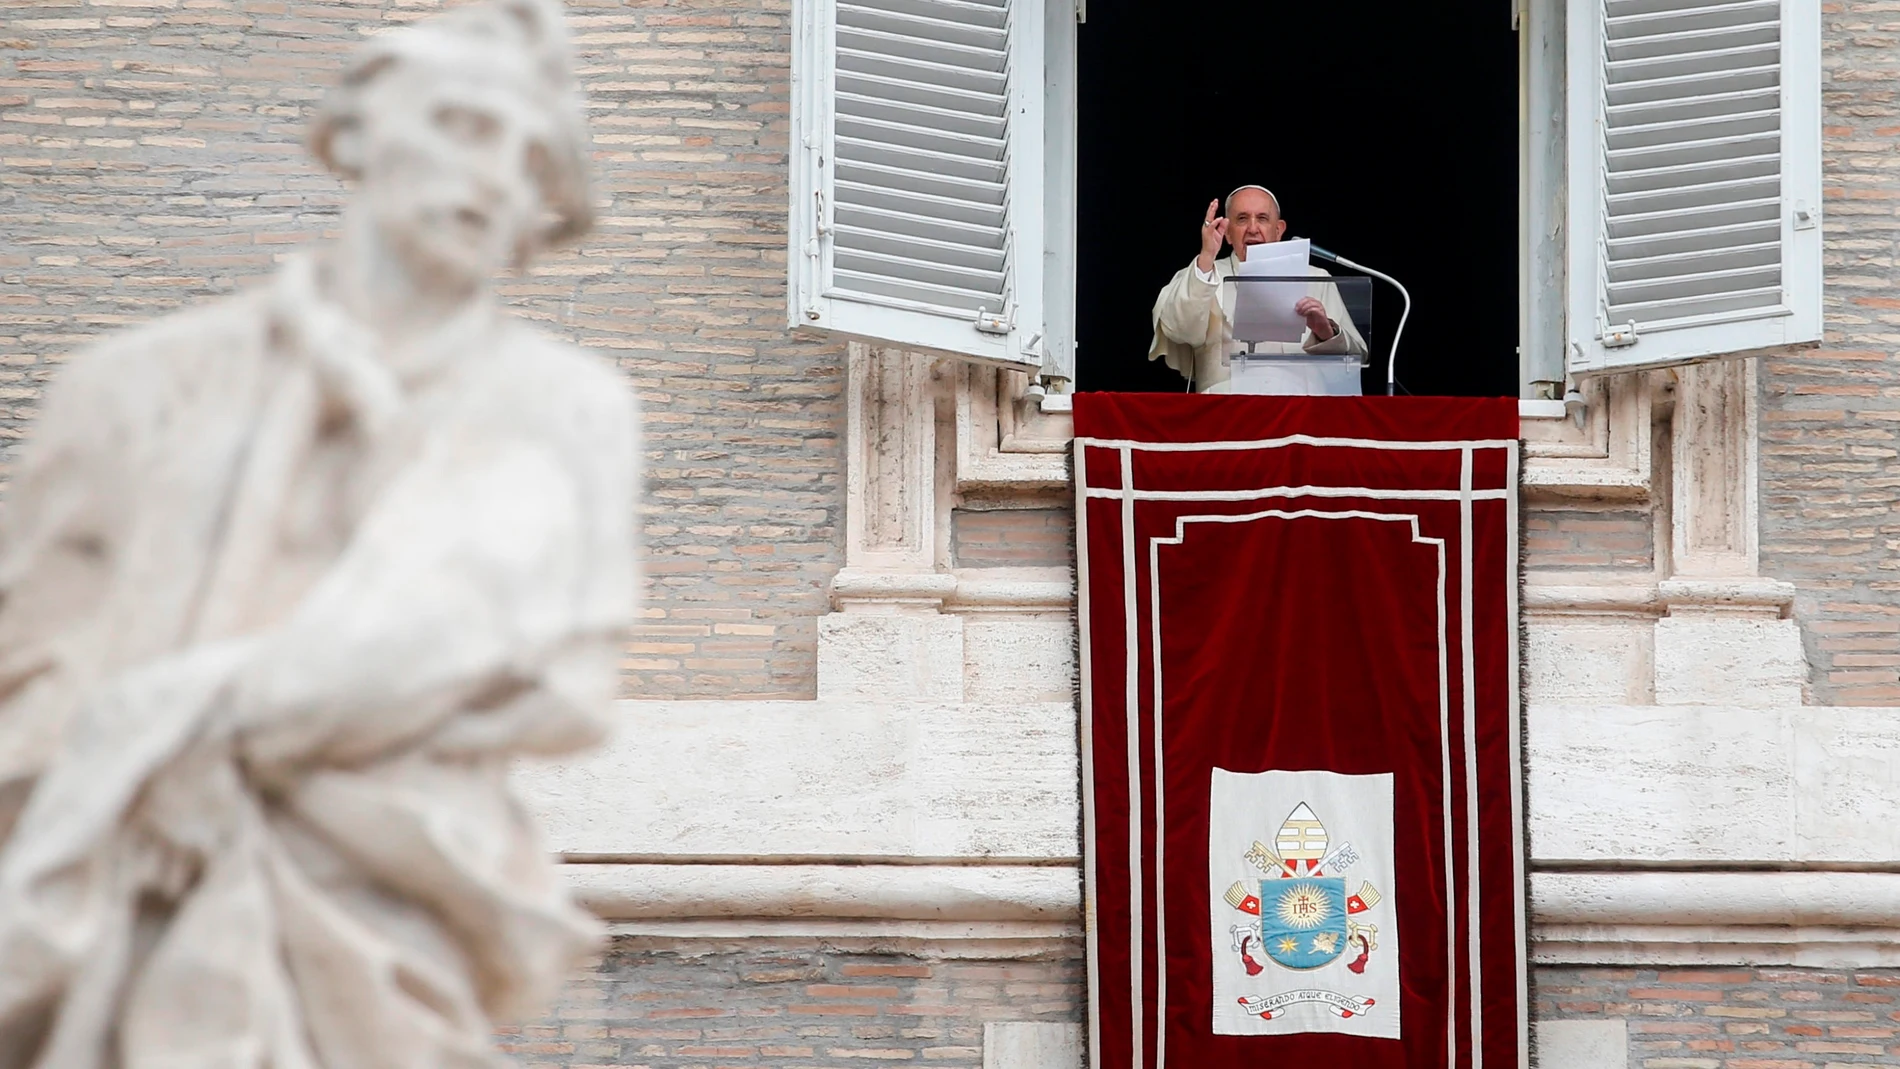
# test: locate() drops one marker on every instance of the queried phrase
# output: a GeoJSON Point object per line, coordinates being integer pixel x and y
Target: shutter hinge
{"type": "Point", "coordinates": [1619, 337]}
{"type": "Point", "coordinates": [1081, 11]}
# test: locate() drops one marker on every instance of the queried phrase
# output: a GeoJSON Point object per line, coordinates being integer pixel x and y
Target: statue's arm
{"type": "Point", "coordinates": [464, 588]}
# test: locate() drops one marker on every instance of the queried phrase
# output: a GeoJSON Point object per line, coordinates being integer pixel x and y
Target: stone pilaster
{"type": "Point", "coordinates": [887, 638]}
{"type": "Point", "coordinates": [1724, 637]}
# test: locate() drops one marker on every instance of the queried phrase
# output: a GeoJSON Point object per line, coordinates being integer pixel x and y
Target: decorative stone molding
{"type": "Point", "coordinates": [1704, 627]}
{"type": "Point", "coordinates": [1005, 438]}
{"type": "Point", "coordinates": [1821, 919]}
{"type": "Point", "coordinates": [887, 637]}
{"type": "Point", "coordinates": [890, 503]}
{"type": "Point", "coordinates": [1724, 639]}
{"type": "Point", "coordinates": [1605, 459]}
{"type": "Point", "coordinates": [966, 893]}
{"type": "Point", "coordinates": [923, 436]}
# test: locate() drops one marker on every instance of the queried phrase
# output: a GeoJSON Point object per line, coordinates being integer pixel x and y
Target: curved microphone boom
{"type": "Point", "coordinates": [1392, 356]}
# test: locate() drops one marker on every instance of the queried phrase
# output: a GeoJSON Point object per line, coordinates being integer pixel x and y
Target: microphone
{"type": "Point", "coordinates": [1392, 357]}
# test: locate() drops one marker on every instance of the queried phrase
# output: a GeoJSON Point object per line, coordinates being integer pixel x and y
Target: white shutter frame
{"type": "Point", "coordinates": [1794, 320]}
{"type": "Point", "coordinates": [819, 300]}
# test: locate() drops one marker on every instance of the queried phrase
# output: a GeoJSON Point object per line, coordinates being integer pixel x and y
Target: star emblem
{"type": "Point", "coordinates": [1289, 945]}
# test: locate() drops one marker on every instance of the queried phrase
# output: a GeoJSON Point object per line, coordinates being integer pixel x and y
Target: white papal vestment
{"type": "Point", "coordinates": [1192, 323]}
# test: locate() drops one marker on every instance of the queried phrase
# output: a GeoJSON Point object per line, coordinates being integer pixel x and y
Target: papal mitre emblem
{"type": "Point", "coordinates": [1301, 840]}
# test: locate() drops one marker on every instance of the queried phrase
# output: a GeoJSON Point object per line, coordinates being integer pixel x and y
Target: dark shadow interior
{"type": "Point", "coordinates": [1387, 128]}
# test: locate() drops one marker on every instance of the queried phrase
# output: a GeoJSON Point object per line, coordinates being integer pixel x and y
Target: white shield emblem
{"type": "Point", "coordinates": [1300, 869]}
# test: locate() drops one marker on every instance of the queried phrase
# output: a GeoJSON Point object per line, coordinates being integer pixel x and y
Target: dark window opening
{"type": "Point", "coordinates": [1387, 129]}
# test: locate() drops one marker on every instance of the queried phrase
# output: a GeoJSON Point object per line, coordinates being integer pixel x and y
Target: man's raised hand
{"type": "Point", "coordinates": [1213, 233]}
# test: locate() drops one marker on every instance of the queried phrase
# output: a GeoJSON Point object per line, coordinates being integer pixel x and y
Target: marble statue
{"type": "Point", "coordinates": [287, 581]}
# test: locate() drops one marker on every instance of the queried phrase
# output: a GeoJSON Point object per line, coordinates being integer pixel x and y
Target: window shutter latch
{"type": "Point", "coordinates": [1803, 216]}
{"type": "Point", "coordinates": [996, 322]}
{"type": "Point", "coordinates": [1619, 337]}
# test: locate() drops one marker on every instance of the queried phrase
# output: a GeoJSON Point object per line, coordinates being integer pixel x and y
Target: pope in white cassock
{"type": "Point", "coordinates": [1193, 315]}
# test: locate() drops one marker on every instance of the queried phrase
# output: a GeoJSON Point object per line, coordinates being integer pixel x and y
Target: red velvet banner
{"type": "Point", "coordinates": [1299, 624]}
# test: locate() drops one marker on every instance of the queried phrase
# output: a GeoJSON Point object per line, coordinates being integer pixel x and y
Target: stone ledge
{"type": "Point", "coordinates": [1816, 919]}
{"type": "Point", "coordinates": [961, 893]}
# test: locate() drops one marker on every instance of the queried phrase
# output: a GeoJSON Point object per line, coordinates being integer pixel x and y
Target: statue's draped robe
{"type": "Point", "coordinates": [279, 608]}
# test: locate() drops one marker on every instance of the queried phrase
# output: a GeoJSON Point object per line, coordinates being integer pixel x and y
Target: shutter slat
{"type": "Point", "coordinates": [1687, 47]}
{"type": "Point", "coordinates": [921, 148]}
{"type": "Point", "coordinates": [1684, 197]}
{"type": "Point", "coordinates": [1690, 174]}
{"type": "Point", "coordinates": [920, 116]}
{"type": "Point", "coordinates": [1691, 286]}
{"type": "Point", "coordinates": [1678, 65]}
{"type": "Point", "coordinates": [885, 154]}
{"type": "Point", "coordinates": [906, 286]}
{"type": "Point", "coordinates": [945, 275]}
{"type": "Point", "coordinates": [1715, 150]}
{"type": "Point", "coordinates": [928, 31]}
{"type": "Point", "coordinates": [944, 75]}
{"type": "Point", "coordinates": [1705, 83]}
{"type": "Point", "coordinates": [1692, 131]}
{"type": "Point", "coordinates": [854, 194]}
{"type": "Point", "coordinates": [1706, 241]}
{"type": "Point", "coordinates": [1703, 106]}
{"type": "Point", "coordinates": [918, 134]}
{"type": "Point", "coordinates": [977, 14]}
{"type": "Point", "coordinates": [954, 142]}
{"type": "Point", "coordinates": [906, 180]}
{"type": "Point", "coordinates": [1691, 141]}
{"type": "Point", "coordinates": [1655, 267]}
{"type": "Point", "coordinates": [900, 91]}
{"type": "Point", "coordinates": [1673, 18]}
{"type": "Point", "coordinates": [1708, 215]}
{"type": "Point", "coordinates": [944, 253]}
{"type": "Point", "coordinates": [1668, 313]}
{"type": "Point", "coordinates": [910, 224]}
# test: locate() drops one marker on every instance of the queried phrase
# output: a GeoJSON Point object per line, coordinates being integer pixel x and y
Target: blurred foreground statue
{"type": "Point", "coordinates": [288, 580]}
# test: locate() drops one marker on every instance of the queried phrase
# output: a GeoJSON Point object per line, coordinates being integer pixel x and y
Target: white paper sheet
{"type": "Point", "coordinates": [1263, 311]}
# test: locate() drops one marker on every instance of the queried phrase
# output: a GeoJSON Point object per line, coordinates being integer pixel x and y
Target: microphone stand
{"type": "Point", "coordinates": [1392, 357]}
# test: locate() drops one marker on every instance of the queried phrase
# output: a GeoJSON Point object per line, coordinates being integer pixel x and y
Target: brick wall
{"type": "Point", "coordinates": [1584, 540]}
{"type": "Point", "coordinates": [776, 1002]}
{"type": "Point", "coordinates": [149, 157]}
{"type": "Point", "coordinates": [1735, 1018]}
{"type": "Point", "coordinates": [662, 1004]}
{"type": "Point", "coordinates": [1830, 455]}
{"type": "Point", "coordinates": [1010, 537]}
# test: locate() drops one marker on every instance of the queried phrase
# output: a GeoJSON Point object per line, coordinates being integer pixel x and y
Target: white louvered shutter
{"type": "Point", "coordinates": [1695, 179]}
{"type": "Point", "coordinates": [917, 192]}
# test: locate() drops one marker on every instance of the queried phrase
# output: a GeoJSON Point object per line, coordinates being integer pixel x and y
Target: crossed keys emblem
{"type": "Point", "coordinates": [1306, 917]}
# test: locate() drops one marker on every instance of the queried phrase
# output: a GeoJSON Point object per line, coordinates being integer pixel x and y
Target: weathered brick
{"type": "Point", "coordinates": [1741, 1027]}
{"type": "Point", "coordinates": [660, 996]}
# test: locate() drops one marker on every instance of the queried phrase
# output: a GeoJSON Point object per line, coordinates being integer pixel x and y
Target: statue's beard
{"type": "Point", "coordinates": [436, 257]}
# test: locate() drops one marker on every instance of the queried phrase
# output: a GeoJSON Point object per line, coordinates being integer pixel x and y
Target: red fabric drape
{"type": "Point", "coordinates": [1318, 584]}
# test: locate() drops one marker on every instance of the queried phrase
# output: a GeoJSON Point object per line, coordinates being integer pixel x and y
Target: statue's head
{"type": "Point", "coordinates": [464, 134]}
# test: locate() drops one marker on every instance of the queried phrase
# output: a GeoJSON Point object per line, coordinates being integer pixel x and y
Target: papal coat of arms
{"type": "Point", "coordinates": [1303, 909]}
